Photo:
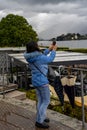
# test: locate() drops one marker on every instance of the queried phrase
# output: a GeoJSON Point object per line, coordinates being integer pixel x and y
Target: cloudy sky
{"type": "Point", "coordinates": [50, 18]}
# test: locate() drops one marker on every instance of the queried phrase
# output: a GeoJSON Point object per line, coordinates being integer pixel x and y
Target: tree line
{"type": "Point", "coordinates": [71, 36]}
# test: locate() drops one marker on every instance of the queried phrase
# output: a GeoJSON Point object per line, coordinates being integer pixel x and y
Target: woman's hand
{"type": "Point", "coordinates": [53, 47]}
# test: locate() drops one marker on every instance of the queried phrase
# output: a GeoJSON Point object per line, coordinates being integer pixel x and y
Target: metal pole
{"type": "Point", "coordinates": [11, 69]}
{"type": "Point", "coordinates": [17, 75]}
{"type": "Point", "coordinates": [7, 68]}
{"type": "Point", "coordinates": [26, 77]}
{"type": "Point", "coordinates": [82, 98]}
{"type": "Point", "coordinates": [3, 80]}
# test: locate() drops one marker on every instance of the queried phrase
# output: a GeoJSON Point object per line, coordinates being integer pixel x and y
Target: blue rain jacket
{"type": "Point", "coordinates": [41, 60]}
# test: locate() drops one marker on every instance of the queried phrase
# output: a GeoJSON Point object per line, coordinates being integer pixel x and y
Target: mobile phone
{"type": "Point", "coordinates": [54, 42]}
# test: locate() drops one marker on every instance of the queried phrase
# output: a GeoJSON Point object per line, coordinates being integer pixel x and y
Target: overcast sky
{"type": "Point", "coordinates": [49, 18]}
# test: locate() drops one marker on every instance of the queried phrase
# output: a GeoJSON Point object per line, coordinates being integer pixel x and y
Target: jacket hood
{"type": "Point", "coordinates": [31, 57]}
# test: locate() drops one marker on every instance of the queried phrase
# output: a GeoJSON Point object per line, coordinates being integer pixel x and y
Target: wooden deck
{"type": "Point", "coordinates": [18, 114]}
{"type": "Point", "coordinates": [13, 117]}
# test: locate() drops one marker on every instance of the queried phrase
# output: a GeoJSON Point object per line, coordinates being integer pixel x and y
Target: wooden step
{"type": "Point", "coordinates": [8, 88]}
{"type": "Point", "coordinates": [16, 94]}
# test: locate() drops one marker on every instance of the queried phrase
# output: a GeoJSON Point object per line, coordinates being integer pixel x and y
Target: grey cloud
{"type": "Point", "coordinates": [41, 1]}
{"type": "Point", "coordinates": [66, 24]}
{"type": "Point", "coordinates": [50, 17]}
{"type": "Point", "coordinates": [37, 5]}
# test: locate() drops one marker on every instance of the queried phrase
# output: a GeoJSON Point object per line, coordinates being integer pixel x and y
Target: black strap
{"type": "Point", "coordinates": [39, 69]}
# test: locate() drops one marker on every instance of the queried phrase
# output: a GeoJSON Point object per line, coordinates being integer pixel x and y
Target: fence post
{"type": "Point", "coordinates": [82, 98]}
{"type": "Point", "coordinates": [3, 82]}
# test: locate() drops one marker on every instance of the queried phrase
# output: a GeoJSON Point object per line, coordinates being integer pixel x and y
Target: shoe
{"type": "Point", "coordinates": [47, 120]}
{"type": "Point", "coordinates": [42, 125]}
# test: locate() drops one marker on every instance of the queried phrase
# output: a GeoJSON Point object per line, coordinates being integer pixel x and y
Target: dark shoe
{"type": "Point", "coordinates": [42, 125]}
{"type": "Point", "coordinates": [47, 120]}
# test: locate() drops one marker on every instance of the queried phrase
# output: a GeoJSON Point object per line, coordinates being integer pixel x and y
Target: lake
{"type": "Point", "coordinates": [70, 44]}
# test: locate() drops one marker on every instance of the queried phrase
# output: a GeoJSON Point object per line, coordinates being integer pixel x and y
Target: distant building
{"type": "Point", "coordinates": [76, 37]}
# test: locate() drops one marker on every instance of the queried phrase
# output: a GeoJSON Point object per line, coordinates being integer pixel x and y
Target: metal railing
{"type": "Point", "coordinates": [81, 71]}
{"type": "Point", "coordinates": [4, 71]}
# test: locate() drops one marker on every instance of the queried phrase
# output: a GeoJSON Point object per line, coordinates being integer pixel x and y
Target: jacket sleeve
{"type": "Point", "coordinates": [46, 52]}
{"type": "Point", "coordinates": [45, 59]}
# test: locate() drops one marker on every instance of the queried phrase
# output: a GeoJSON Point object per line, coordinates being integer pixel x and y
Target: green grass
{"type": "Point", "coordinates": [81, 50]}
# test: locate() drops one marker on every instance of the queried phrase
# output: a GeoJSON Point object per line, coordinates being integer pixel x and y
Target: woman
{"type": "Point", "coordinates": [38, 63]}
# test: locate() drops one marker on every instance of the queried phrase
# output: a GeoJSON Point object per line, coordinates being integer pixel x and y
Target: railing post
{"type": "Point", "coordinates": [11, 69]}
{"type": "Point", "coordinates": [82, 98]}
{"type": "Point", "coordinates": [3, 82]}
{"type": "Point", "coordinates": [7, 68]}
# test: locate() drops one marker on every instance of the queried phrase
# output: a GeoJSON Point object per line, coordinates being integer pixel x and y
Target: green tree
{"type": "Point", "coordinates": [16, 31]}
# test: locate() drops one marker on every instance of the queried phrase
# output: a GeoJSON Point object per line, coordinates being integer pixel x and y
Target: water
{"type": "Point", "coordinates": [70, 44]}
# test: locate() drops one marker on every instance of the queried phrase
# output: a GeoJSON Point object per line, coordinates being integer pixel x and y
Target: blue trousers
{"type": "Point", "coordinates": [43, 96]}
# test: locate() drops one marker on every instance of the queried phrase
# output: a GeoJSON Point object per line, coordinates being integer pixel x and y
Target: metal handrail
{"type": "Point", "coordinates": [81, 70]}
